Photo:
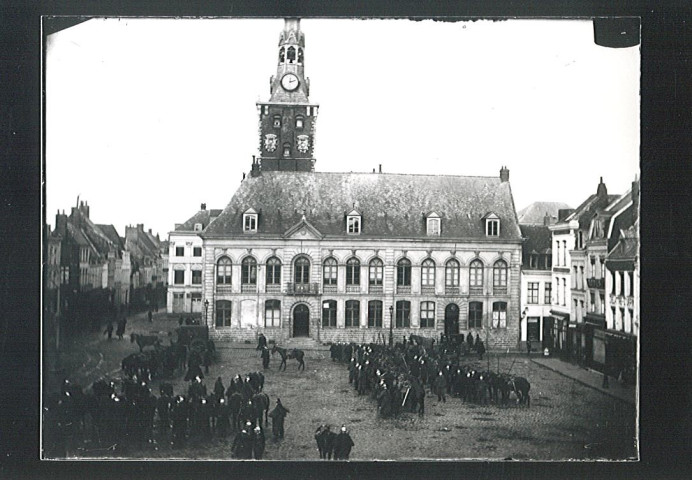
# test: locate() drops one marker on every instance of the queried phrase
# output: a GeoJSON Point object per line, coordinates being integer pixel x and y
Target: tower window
{"type": "Point", "coordinates": [282, 55]}
{"type": "Point", "coordinates": [287, 149]}
{"type": "Point", "coordinates": [277, 121]}
{"type": "Point", "coordinates": [300, 55]}
{"type": "Point", "coordinates": [299, 122]}
{"type": "Point", "coordinates": [291, 54]}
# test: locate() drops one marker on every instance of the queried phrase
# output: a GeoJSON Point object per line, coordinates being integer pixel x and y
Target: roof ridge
{"type": "Point", "coordinates": [445, 175]}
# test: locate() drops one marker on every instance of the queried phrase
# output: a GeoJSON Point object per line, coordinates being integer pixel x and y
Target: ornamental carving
{"type": "Point", "coordinates": [303, 143]}
{"type": "Point", "coordinates": [270, 142]}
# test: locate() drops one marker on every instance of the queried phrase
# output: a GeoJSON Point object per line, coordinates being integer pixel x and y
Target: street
{"type": "Point", "coordinates": [566, 420]}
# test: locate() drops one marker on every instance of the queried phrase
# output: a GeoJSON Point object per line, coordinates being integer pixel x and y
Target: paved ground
{"type": "Point", "coordinates": [567, 419]}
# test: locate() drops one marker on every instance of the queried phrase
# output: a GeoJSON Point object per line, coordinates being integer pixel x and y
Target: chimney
{"type": "Point", "coordinates": [255, 172]}
{"type": "Point", "coordinates": [380, 168]}
{"type": "Point", "coordinates": [602, 191]}
{"type": "Point", "coordinates": [504, 174]}
{"type": "Point", "coordinates": [203, 206]}
{"type": "Point", "coordinates": [60, 223]}
{"type": "Point", "coordinates": [150, 231]}
{"type": "Point", "coordinates": [564, 213]}
{"type": "Point", "coordinates": [548, 220]}
{"type": "Point", "coordinates": [243, 175]}
{"type": "Point", "coordinates": [140, 227]}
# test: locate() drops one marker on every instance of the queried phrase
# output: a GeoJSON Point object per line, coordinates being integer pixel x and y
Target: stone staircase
{"type": "Point", "coordinates": [304, 343]}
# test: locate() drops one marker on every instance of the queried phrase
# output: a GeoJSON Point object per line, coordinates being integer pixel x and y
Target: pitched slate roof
{"type": "Point", "coordinates": [203, 216]}
{"type": "Point", "coordinates": [112, 234]}
{"type": "Point", "coordinates": [534, 213]}
{"type": "Point", "coordinates": [391, 205]}
{"type": "Point", "coordinates": [537, 239]}
{"type": "Point", "coordinates": [585, 212]}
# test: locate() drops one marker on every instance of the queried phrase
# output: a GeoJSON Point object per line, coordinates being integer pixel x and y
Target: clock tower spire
{"type": "Point", "coordinates": [287, 120]}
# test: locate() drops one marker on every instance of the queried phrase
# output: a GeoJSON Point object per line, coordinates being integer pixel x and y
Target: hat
{"type": "Point", "coordinates": [248, 424]}
{"type": "Point", "coordinates": [258, 429]}
{"type": "Point", "coordinates": [343, 428]}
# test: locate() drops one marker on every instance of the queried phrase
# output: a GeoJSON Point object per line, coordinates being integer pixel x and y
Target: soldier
{"type": "Point", "coordinates": [163, 407]}
{"type": "Point", "coordinates": [440, 387]}
{"type": "Point", "coordinates": [343, 444]}
{"type": "Point", "coordinates": [385, 402]}
{"type": "Point", "coordinates": [247, 412]}
{"type": "Point", "coordinates": [219, 388]}
{"type": "Point", "coordinates": [278, 415]}
{"type": "Point", "coordinates": [122, 323]}
{"type": "Point", "coordinates": [481, 349]}
{"type": "Point", "coordinates": [261, 342]}
{"type": "Point", "coordinates": [258, 443]}
{"type": "Point", "coordinates": [265, 358]}
{"type": "Point", "coordinates": [150, 316]}
{"type": "Point", "coordinates": [223, 423]}
{"type": "Point", "coordinates": [179, 412]}
{"type": "Point", "coordinates": [242, 444]}
{"type": "Point", "coordinates": [109, 329]}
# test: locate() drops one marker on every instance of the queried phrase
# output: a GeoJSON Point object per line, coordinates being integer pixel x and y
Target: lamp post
{"type": "Point", "coordinates": [391, 325]}
{"type": "Point", "coordinates": [206, 311]}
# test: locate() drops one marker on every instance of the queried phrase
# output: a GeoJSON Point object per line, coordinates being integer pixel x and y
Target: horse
{"type": "Point", "coordinates": [295, 353]}
{"type": "Point", "coordinates": [235, 401]}
{"type": "Point", "coordinates": [521, 387]}
{"type": "Point", "coordinates": [261, 403]}
{"type": "Point", "coordinates": [256, 381]}
{"type": "Point", "coordinates": [144, 340]}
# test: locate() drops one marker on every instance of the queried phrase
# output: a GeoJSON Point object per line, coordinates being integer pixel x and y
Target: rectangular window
{"type": "Point", "coordinates": [533, 261]}
{"type": "Point", "coordinates": [492, 227]}
{"type": "Point", "coordinates": [500, 315]}
{"type": "Point", "coordinates": [403, 314]}
{"type": "Point", "coordinates": [622, 283]}
{"type": "Point", "coordinates": [427, 315]}
{"type": "Point", "coordinates": [592, 299]}
{"type": "Point", "coordinates": [65, 275]}
{"type": "Point", "coordinates": [601, 308]}
{"type": "Point", "coordinates": [631, 292]}
{"type": "Point", "coordinates": [223, 313]}
{"type": "Point", "coordinates": [197, 277]}
{"type": "Point", "coordinates": [564, 252]}
{"type": "Point", "coordinates": [475, 315]}
{"type": "Point", "coordinates": [272, 313]}
{"type": "Point", "coordinates": [353, 223]}
{"type": "Point", "coordinates": [179, 277]}
{"type": "Point", "coordinates": [433, 226]}
{"type": "Point", "coordinates": [352, 313]}
{"type": "Point", "coordinates": [179, 251]}
{"type": "Point", "coordinates": [622, 319]}
{"type": "Point", "coordinates": [375, 313]}
{"type": "Point", "coordinates": [329, 313]}
{"type": "Point", "coordinates": [532, 293]}
{"type": "Point", "coordinates": [581, 278]}
{"type": "Point", "coordinates": [250, 222]}
{"type": "Point", "coordinates": [615, 320]}
{"type": "Point", "coordinates": [548, 261]}
{"type": "Point", "coordinates": [197, 251]}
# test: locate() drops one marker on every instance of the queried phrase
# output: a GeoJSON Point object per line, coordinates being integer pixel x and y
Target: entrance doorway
{"type": "Point", "coordinates": [301, 321]}
{"type": "Point", "coordinates": [452, 319]}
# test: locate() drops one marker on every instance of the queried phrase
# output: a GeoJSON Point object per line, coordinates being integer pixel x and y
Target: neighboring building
{"type": "Point", "coordinates": [164, 246]}
{"type": "Point", "coordinates": [51, 271]}
{"type": "Point", "coordinates": [622, 285]}
{"type": "Point", "coordinates": [344, 256]}
{"type": "Point", "coordinates": [185, 263]}
{"type": "Point", "coordinates": [536, 283]}
{"type": "Point", "coordinates": [570, 233]}
{"type": "Point", "coordinates": [119, 267]}
{"type": "Point", "coordinates": [147, 283]}
{"type": "Point", "coordinates": [536, 213]}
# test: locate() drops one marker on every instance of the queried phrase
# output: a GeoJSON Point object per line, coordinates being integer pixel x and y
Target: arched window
{"type": "Point", "coordinates": [272, 313]}
{"type": "Point", "coordinates": [500, 315]}
{"type": "Point", "coordinates": [403, 273]}
{"type": "Point", "coordinates": [375, 313]}
{"type": "Point", "coordinates": [452, 273]}
{"type": "Point", "coordinates": [223, 313]}
{"type": "Point", "coordinates": [273, 271]}
{"type": "Point", "coordinates": [427, 315]}
{"type": "Point", "coordinates": [300, 55]}
{"type": "Point", "coordinates": [223, 271]}
{"type": "Point", "coordinates": [329, 272]}
{"type": "Point", "coordinates": [475, 315]}
{"type": "Point", "coordinates": [476, 274]}
{"type": "Point", "coordinates": [282, 55]}
{"type": "Point", "coordinates": [329, 313]}
{"type": "Point", "coordinates": [376, 273]}
{"type": "Point", "coordinates": [427, 278]}
{"type": "Point", "coordinates": [403, 314]}
{"type": "Point", "coordinates": [302, 270]}
{"type": "Point", "coordinates": [291, 54]}
{"type": "Point", "coordinates": [500, 275]}
{"type": "Point", "coordinates": [248, 271]}
{"type": "Point", "coordinates": [352, 313]}
{"type": "Point", "coordinates": [353, 272]}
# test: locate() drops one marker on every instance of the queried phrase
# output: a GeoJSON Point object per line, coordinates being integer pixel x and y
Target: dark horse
{"type": "Point", "coordinates": [144, 340]}
{"type": "Point", "coordinates": [521, 387]}
{"type": "Point", "coordinates": [295, 353]}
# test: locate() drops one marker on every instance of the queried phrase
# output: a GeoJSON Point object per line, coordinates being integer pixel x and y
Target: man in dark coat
{"type": "Point", "coordinates": [219, 389]}
{"type": "Point", "coordinates": [342, 444]}
{"type": "Point", "coordinates": [150, 316]}
{"type": "Point", "coordinates": [320, 439]}
{"type": "Point", "coordinates": [223, 418]}
{"type": "Point", "coordinates": [384, 400]}
{"type": "Point", "coordinates": [258, 443]}
{"type": "Point", "coordinates": [278, 415]}
{"type": "Point", "coordinates": [469, 341]}
{"type": "Point", "coordinates": [122, 323]}
{"type": "Point", "coordinates": [481, 349]}
{"type": "Point", "coordinates": [109, 329]}
{"type": "Point", "coordinates": [242, 445]}
{"type": "Point", "coordinates": [440, 387]}
{"type": "Point", "coordinates": [261, 342]}
{"type": "Point", "coordinates": [265, 358]}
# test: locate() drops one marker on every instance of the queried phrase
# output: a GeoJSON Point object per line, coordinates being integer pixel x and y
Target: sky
{"type": "Point", "coordinates": [148, 118]}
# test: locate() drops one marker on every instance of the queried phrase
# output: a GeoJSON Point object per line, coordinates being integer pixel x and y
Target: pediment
{"type": "Point", "coordinates": [303, 230]}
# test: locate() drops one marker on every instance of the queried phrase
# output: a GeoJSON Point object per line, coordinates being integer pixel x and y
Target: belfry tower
{"type": "Point", "coordinates": [287, 120]}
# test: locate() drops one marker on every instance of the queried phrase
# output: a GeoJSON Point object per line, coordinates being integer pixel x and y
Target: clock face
{"type": "Point", "coordinates": [290, 82]}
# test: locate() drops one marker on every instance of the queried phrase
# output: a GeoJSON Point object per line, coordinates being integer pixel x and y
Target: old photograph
{"type": "Point", "coordinates": [340, 239]}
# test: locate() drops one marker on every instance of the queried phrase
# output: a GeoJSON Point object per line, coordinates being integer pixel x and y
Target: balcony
{"type": "Point", "coordinates": [427, 290]}
{"type": "Point", "coordinates": [596, 283]}
{"type": "Point", "coordinates": [352, 288]}
{"type": "Point", "coordinates": [403, 289]}
{"type": "Point", "coordinates": [248, 288]}
{"type": "Point", "coordinates": [329, 289]}
{"type": "Point", "coordinates": [499, 290]}
{"type": "Point", "coordinates": [451, 290]}
{"type": "Point", "coordinates": [224, 289]}
{"type": "Point", "coordinates": [375, 290]}
{"type": "Point", "coordinates": [275, 288]}
{"type": "Point", "coordinates": [476, 290]}
{"type": "Point", "coordinates": [302, 289]}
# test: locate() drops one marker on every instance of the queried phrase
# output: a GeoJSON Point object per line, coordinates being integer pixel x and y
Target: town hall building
{"type": "Point", "coordinates": [356, 256]}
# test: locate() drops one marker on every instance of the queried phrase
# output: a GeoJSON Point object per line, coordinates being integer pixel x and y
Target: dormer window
{"type": "Point", "coordinates": [433, 224]}
{"type": "Point", "coordinates": [353, 223]}
{"type": "Point", "coordinates": [198, 227]}
{"type": "Point", "coordinates": [492, 225]}
{"type": "Point", "coordinates": [250, 221]}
